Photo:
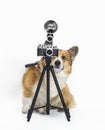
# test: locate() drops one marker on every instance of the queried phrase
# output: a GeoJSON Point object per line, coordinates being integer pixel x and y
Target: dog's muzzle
{"type": "Point", "coordinates": [58, 65]}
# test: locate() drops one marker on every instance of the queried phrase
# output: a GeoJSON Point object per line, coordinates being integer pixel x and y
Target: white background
{"type": "Point", "coordinates": [81, 23]}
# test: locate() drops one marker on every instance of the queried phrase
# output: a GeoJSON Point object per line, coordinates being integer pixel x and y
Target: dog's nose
{"type": "Point", "coordinates": [57, 63]}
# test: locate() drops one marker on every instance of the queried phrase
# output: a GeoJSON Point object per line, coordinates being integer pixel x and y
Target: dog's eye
{"type": "Point", "coordinates": [64, 57]}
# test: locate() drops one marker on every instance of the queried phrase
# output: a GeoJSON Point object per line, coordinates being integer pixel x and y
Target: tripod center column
{"type": "Point", "coordinates": [48, 61]}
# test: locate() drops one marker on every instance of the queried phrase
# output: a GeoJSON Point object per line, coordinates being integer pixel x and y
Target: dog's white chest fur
{"type": "Point", "coordinates": [61, 77]}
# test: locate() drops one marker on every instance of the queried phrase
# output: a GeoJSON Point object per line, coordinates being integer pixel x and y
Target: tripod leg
{"type": "Point", "coordinates": [60, 94]}
{"type": "Point", "coordinates": [35, 96]}
{"type": "Point", "coordinates": [48, 92]}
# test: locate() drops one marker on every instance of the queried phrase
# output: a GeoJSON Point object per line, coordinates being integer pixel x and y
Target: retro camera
{"type": "Point", "coordinates": [48, 49]}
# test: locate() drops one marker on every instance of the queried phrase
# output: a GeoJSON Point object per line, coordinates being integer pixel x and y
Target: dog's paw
{"type": "Point", "coordinates": [60, 110]}
{"type": "Point", "coordinates": [25, 110]}
{"type": "Point", "coordinates": [42, 111]}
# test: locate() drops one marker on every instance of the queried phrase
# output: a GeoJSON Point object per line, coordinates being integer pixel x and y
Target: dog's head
{"type": "Point", "coordinates": [63, 63]}
{"type": "Point", "coordinates": [64, 60]}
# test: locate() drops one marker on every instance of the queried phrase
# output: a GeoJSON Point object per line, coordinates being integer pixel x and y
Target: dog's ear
{"type": "Point", "coordinates": [73, 52]}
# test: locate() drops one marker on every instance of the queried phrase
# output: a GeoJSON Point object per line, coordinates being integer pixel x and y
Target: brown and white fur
{"type": "Point", "coordinates": [62, 66]}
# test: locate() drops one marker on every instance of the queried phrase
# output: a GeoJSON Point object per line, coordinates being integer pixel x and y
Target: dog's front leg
{"type": "Point", "coordinates": [26, 104]}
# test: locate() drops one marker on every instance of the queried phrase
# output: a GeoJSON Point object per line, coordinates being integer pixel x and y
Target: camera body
{"type": "Point", "coordinates": [47, 50]}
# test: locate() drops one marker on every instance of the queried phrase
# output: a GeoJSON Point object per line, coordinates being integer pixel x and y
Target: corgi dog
{"type": "Point", "coordinates": [62, 66]}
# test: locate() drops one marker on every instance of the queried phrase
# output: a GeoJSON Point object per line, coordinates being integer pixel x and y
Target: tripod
{"type": "Point", "coordinates": [47, 69]}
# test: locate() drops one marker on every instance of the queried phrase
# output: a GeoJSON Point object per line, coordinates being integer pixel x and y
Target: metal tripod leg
{"type": "Point", "coordinates": [60, 94]}
{"type": "Point", "coordinates": [35, 96]}
{"type": "Point", "coordinates": [48, 92]}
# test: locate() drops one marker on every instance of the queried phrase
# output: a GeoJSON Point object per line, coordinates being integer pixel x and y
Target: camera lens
{"type": "Point", "coordinates": [49, 52]}
{"type": "Point", "coordinates": [49, 39]}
